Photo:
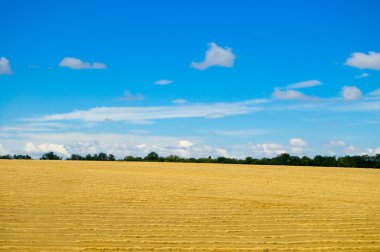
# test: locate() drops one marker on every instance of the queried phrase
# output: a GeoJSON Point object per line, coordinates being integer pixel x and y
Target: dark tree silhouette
{"type": "Point", "coordinates": [50, 156]}
{"type": "Point", "coordinates": [153, 156]}
{"type": "Point", "coordinates": [111, 157]}
{"type": "Point", "coordinates": [364, 161]}
{"type": "Point", "coordinates": [102, 156]}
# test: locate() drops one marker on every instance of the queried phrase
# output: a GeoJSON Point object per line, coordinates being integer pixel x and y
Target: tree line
{"type": "Point", "coordinates": [364, 161]}
{"type": "Point", "coordinates": [15, 157]}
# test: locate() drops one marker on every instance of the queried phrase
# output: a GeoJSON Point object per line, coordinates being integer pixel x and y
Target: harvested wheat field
{"type": "Point", "coordinates": [87, 206]}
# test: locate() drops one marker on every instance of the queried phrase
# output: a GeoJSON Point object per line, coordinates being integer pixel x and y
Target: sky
{"type": "Point", "coordinates": [190, 78]}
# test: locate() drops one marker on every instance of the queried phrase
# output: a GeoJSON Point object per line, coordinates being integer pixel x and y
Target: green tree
{"type": "Point", "coordinates": [111, 157]}
{"type": "Point", "coordinates": [102, 156]}
{"type": "Point", "coordinates": [172, 158]}
{"type": "Point", "coordinates": [76, 157]}
{"type": "Point", "coordinates": [50, 156]}
{"type": "Point", "coordinates": [153, 156]}
{"type": "Point", "coordinates": [129, 158]}
{"type": "Point", "coordinates": [6, 157]}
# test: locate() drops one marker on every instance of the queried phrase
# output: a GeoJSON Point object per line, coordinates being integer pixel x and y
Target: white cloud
{"type": "Point", "coordinates": [341, 148]}
{"type": "Point", "coordinates": [364, 61]}
{"type": "Point", "coordinates": [98, 65]}
{"type": "Point", "coordinates": [179, 101]}
{"type": "Point", "coordinates": [255, 101]}
{"type": "Point", "coordinates": [84, 147]}
{"type": "Point", "coordinates": [216, 56]}
{"type": "Point", "coordinates": [358, 106]}
{"type": "Point", "coordinates": [375, 151]}
{"type": "Point", "coordinates": [288, 93]}
{"type": "Point", "coordinates": [35, 127]}
{"type": "Point", "coordinates": [297, 142]}
{"type": "Point", "coordinates": [351, 93]}
{"type": "Point", "coordinates": [163, 82]}
{"type": "Point", "coordinates": [291, 95]}
{"type": "Point", "coordinates": [77, 64]}
{"type": "Point", "coordinates": [375, 92]}
{"type": "Point", "coordinates": [31, 148]}
{"type": "Point", "coordinates": [128, 96]}
{"type": "Point", "coordinates": [297, 145]}
{"type": "Point", "coordinates": [143, 114]}
{"type": "Point", "coordinates": [335, 143]}
{"type": "Point", "coordinates": [363, 75]}
{"type": "Point", "coordinates": [118, 144]}
{"type": "Point", "coordinates": [2, 150]}
{"type": "Point", "coordinates": [185, 143]}
{"type": "Point", "coordinates": [222, 152]}
{"type": "Point", "coordinates": [305, 84]}
{"type": "Point", "coordinates": [352, 150]}
{"type": "Point", "coordinates": [128, 144]}
{"type": "Point", "coordinates": [46, 147]}
{"type": "Point", "coordinates": [5, 67]}
{"type": "Point", "coordinates": [268, 149]}
{"type": "Point", "coordinates": [66, 143]}
{"type": "Point", "coordinates": [148, 114]}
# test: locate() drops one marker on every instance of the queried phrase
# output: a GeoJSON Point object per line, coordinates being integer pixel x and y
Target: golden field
{"type": "Point", "coordinates": [89, 206]}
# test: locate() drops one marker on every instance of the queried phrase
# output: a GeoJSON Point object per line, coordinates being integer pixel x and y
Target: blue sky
{"type": "Point", "coordinates": [190, 78]}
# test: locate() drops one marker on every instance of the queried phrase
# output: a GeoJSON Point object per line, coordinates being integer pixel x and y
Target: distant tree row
{"type": "Point", "coordinates": [96, 157]}
{"type": "Point", "coordinates": [15, 157]}
{"type": "Point", "coordinates": [363, 161]}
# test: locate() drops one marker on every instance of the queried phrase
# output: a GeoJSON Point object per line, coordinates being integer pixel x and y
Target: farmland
{"type": "Point", "coordinates": [89, 206]}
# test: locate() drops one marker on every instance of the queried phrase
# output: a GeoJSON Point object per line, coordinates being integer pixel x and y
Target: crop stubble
{"type": "Point", "coordinates": [87, 206]}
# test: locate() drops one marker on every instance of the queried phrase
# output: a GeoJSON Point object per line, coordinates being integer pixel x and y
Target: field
{"type": "Point", "coordinates": [87, 206]}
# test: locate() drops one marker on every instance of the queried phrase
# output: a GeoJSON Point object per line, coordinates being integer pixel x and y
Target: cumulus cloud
{"type": "Point", "coordinates": [121, 145]}
{"type": "Point", "coordinates": [373, 151]}
{"type": "Point", "coordinates": [222, 152]}
{"type": "Point", "coordinates": [268, 149]}
{"type": "Point", "coordinates": [128, 96]}
{"type": "Point", "coordinates": [341, 148]}
{"type": "Point", "coordinates": [5, 67]}
{"type": "Point", "coordinates": [185, 143]}
{"type": "Point", "coordinates": [297, 142]}
{"type": "Point", "coordinates": [84, 147]}
{"type": "Point", "coordinates": [363, 75]}
{"type": "Point", "coordinates": [352, 150]}
{"type": "Point", "coordinates": [2, 150]}
{"type": "Point", "coordinates": [305, 84]}
{"type": "Point", "coordinates": [364, 61]}
{"type": "Point", "coordinates": [77, 64]}
{"type": "Point", "coordinates": [46, 147]}
{"type": "Point", "coordinates": [216, 56]}
{"type": "Point", "coordinates": [351, 93]}
{"type": "Point", "coordinates": [297, 145]}
{"type": "Point", "coordinates": [163, 82]}
{"type": "Point", "coordinates": [179, 101]}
